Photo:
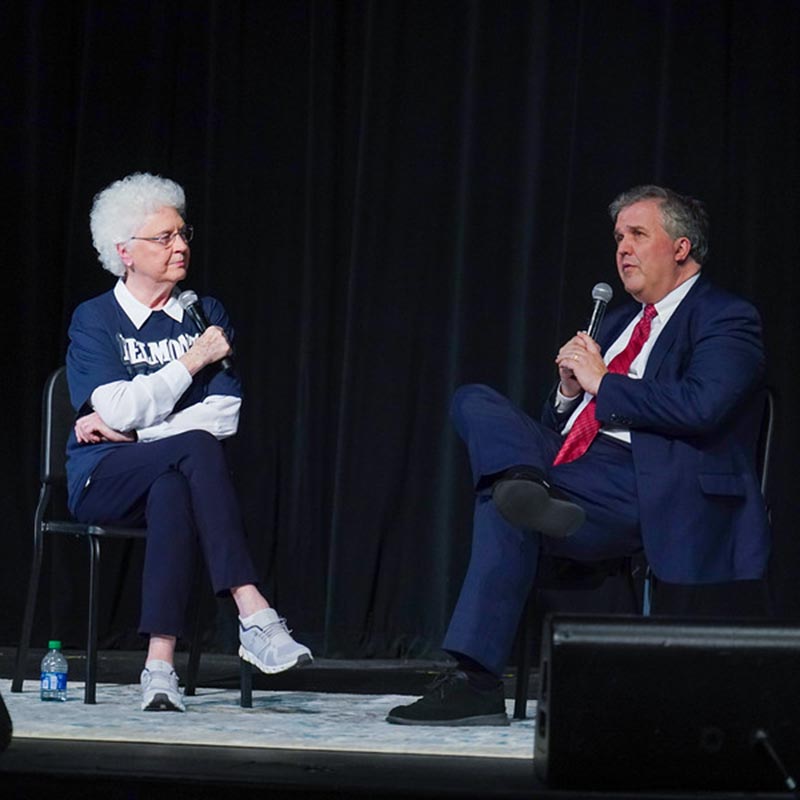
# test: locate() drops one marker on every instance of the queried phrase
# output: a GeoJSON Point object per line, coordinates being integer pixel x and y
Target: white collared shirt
{"type": "Point", "coordinates": [145, 404]}
{"type": "Point", "coordinates": [665, 308]}
{"type": "Point", "coordinates": [137, 312]}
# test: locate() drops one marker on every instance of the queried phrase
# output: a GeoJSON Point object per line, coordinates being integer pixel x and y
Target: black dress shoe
{"type": "Point", "coordinates": [451, 700]}
{"type": "Point", "coordinates": [527, 501]}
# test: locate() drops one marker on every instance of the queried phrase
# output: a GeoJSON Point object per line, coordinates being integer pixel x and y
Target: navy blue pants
{"type": "Point", "coordinates": [504, 559]}
{"type": "Point", "coordinates": [179, 488]}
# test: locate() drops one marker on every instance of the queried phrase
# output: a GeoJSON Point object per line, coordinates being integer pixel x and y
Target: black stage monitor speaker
{"type": "Point", "coordinates": [643, 703]}
{"type": "Point", "coordinates": [5, 726]}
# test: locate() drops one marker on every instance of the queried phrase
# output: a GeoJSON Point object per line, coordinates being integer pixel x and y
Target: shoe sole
{"type": "Point", "coordinates": [528, 505]}
{"type": "Point", "coordinates": [487, 719]}
{"type": "Point", "coordinates": [161, 702]}
{"type": "Point", "coordinates": [300, 661]}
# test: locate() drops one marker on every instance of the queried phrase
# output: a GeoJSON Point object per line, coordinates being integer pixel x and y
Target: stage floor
{"type": "Point", "coordinates": [318, 731]}
{"type": "Point", "coordinates": [279, 720]}
{"type": "Point", "coordinates": [292, 742]}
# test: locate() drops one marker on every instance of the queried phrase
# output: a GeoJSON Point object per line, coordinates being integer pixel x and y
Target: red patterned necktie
{"type": "Point", "coordinates": [586, 426]}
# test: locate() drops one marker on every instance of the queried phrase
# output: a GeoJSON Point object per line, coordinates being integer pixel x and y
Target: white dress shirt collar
{"type": "Point", "coordinates": [138, 313]}
{"type": "Point", "coordinates": [667, 305]}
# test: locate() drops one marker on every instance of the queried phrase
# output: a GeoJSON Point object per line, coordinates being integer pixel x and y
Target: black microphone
{"type": "Point", "coordinates": [190, 303]}
{"type": "Point", "coordinates": [601, 294]}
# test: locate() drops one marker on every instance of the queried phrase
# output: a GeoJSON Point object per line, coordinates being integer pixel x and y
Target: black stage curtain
{"type": "Point", "coordinates": [391, 198]}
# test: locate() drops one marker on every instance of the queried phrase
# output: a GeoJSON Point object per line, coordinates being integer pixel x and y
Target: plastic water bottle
{"type": "Point", "coordinates": [54, 673]}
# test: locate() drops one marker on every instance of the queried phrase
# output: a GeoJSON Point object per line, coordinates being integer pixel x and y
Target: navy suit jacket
{"type": "Point", "coordinates": [691, 418]}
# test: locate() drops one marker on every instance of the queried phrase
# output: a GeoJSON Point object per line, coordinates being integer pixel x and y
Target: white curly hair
{"type": "Point", "coordinates": [120, 209]}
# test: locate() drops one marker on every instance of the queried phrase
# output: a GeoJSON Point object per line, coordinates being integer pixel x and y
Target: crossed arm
{"type": "Point", "coordinates": [142, 409]}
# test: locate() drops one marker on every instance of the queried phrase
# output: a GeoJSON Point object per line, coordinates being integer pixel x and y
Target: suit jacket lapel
{"type": "Point", "coordinates": [674, 327]}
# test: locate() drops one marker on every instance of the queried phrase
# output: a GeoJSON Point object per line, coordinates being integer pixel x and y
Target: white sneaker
{"type": "Point", "coordinates": [266, 643]}
{"type": "Point", "coordinates": [160, 690]}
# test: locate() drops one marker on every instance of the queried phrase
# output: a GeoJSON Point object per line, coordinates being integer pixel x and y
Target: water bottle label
{"type": "Point", "coordinates": [54, 681]}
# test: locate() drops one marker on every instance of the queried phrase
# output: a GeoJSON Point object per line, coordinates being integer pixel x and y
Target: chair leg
{"type": "Point", "coordinates": [245, 684]}
{"type": "Point", "coordinates": [524, 659]}
{"type": "Point", "coordinates": [648, 592]}
{"type": "Point", "coordinates": [195, 644]}
{"type": "Point", "coordinates": [91, 638]}
{"type": "Point", "coordinates": [192, 668]}
{"type": "Point", "coordinates": [631, 570]}
{"type": "Point", "coordinates": [30, 608]}
{"type": "Point", "coordinates": [195, 650]}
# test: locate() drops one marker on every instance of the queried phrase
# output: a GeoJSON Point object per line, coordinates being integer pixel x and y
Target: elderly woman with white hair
{"type": "Point", "coordinates": [153, 402]}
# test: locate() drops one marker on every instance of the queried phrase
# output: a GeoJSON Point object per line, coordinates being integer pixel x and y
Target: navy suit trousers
{"type": "Point", "coordinates": [504, 559]}
{"type": "Point", "coordinates": [179, 488]}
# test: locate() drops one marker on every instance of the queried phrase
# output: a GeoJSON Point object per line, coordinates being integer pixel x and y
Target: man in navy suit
{"type": "Point", "coordinates": [642, 446]}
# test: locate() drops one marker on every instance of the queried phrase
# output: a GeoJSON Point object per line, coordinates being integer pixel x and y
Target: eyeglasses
{"type": "Point", "coordinates": [166, 239]}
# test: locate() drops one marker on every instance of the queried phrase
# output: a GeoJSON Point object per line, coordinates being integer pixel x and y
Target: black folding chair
{"type": "Point", "coordinates": [52, 517]}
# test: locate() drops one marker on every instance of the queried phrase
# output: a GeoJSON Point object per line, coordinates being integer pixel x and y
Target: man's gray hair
{"type": "Point", "coordinates": [119, 210]}
{"type": "Point", "coordinates": [681, 215]}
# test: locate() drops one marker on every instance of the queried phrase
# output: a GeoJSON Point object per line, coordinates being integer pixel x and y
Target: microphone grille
{"type": "Point", "coordinates": [189, 298]}
{"type": "Point", "coordinates": [602, 292]}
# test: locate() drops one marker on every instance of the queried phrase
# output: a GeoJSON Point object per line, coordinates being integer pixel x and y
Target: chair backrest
{"type": "Point", "coordinates": [765, 436]}
{"type": "Point", "coordinates": [58, 417]}
{"type": "Point", "coordinates": [754, 426]}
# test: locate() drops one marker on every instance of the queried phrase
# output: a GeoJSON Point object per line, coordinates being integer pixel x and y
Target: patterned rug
{"type": "Point", "coordinates": [292, 720]}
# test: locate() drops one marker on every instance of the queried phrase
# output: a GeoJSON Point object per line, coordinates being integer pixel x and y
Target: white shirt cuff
{"type": "Point", "coordinates": [218, 414]}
